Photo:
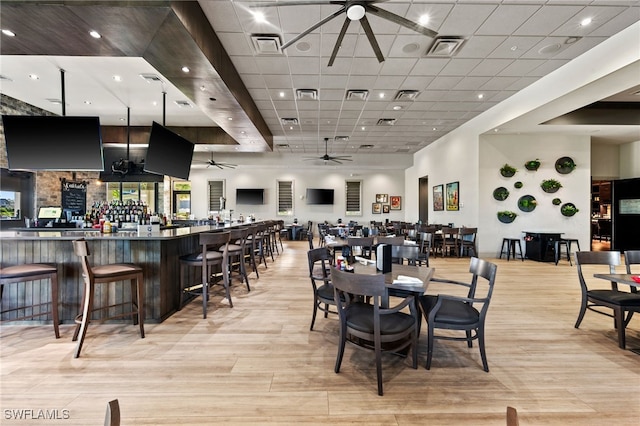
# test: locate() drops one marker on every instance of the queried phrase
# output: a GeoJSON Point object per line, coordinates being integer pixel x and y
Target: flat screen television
{"type": "Point", "coordinates": [168, 153]}
{"type": "Point", "coordinates": [319, 196]}
{"type": "Point", "coordinates": [53, 143]}
{"type": "Point", "coordinates": [249, 196]}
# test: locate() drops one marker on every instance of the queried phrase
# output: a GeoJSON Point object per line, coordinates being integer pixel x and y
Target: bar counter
{"type": "Point", "coordinates": [157, 253]}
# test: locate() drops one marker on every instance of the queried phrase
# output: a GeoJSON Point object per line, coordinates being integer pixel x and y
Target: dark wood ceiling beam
{"type": "Point", "coordinates": [140, 135]}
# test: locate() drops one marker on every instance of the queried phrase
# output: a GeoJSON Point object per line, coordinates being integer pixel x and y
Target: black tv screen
{"type": "Point", "coordinates": [319, 196]}
{"type": "Point", "coordinates": [168, 153]}
{"type": "Point", "coordinates": [53, 143]}
{"type": "Point", "coordinates": [249, 196]}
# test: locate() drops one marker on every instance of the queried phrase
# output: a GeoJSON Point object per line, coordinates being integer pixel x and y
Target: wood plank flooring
{"type": "Point", "coordinates": [258, 363]}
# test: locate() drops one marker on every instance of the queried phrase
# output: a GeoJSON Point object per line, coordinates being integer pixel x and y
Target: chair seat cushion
{"type": "Point", "coordinates": [325, 292]}
{"type": "Point", "coordinates": [115, 269]}
{"type": "Point", "coordinates": [232, 248]}
{"type": "Point", "coordinates": [196, 257]}
{"type": "Point", "coordinates": [360, 317]}
{"type": "Point", "coordinates": [27, 270]}
{"type": "Point", "coordinates": [451, 311]}
{"type": "Point", "coordinates": [615, 297]}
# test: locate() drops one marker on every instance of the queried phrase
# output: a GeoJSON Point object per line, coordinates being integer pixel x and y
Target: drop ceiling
{"type": "Point", "coordinates": [397, 106]}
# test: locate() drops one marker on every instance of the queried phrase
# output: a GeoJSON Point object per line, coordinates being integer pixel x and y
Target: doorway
{"type": "Point", "coordinates": [423, 199]}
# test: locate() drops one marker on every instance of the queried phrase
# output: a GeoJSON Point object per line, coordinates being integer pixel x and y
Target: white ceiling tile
{"type": "Point", "coordinates": [471, 83]}
{"type": "Point", "coordinates": [547, 19]}
{"type": "Point", "coordinates": [460, 66]}
{"type": "Point", "coordinates": [506, 19]}
{"type": "Point", "coordinates": [499, 83]}
{"type": "Point", "coordinates": [465, 19]}
{"type": "Point", "coordinates": [490, 67]}
{"type": "Point", "coordinates": [598, 15]}
{"type": "Point", "coordinates": [521, 67]}
{"type": "Point", "coordinates": [429, 66]}
{"type": "Point", "coordinates": [398, 66]}
{"type": "Point", "coordinates": [479, 46]}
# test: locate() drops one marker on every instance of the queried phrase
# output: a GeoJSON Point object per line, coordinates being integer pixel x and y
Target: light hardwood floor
{"type": "Point", "coordinates": [258, 363]}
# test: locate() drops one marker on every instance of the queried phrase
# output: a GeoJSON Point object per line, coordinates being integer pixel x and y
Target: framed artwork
{"type": "Point", "coordinates": [376, 208]}
{"type": "Point", "coordinates": [453, 196]}
{"type": "Point", "coordinates": [438, 198]}
{"type": "Point", "coordinates": [382, 198]}
{"type": "Point", "coordinates": [396, 202]}
{"type": "Point", "coordinates": [385, 208]}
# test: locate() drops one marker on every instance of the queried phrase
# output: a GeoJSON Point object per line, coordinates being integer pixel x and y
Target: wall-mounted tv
{"type": "Point", "coordinates": [53, 143]}
{"type": "Point", "coordinates": [249, 196]}
{"type": "Point", "coordinates": [319, 196]}
{"type": "Point", "coordinates": [168, 153]}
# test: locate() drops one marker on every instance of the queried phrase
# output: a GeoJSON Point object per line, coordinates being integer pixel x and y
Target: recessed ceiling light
{"type": "Point", "coordinates": [585, 22]}
{"type": "Point", "coordinates": [571, 40]}
{"type": "Point", "coordinates": [434, 129]}
{"type": "Point", "coordinates": [243, 132]}
{"type": "Point", "coordinates": [34, 76]}
{"type": "Point", "coordinates": [397, 108]}
{"type": "Point", "coordinates": [381, 95]}
{"type": "Point", "coordinates": [424, 19]}
{"type": "Point", "coordinates": [282, 94]}
{"type": "Point", "coordinates": [8, 33]}
{"type": "Point", "coordinates": [480, 95]}
{"type": "Point", "coordinates": [290, 127]}
{"type": "Point", "coordinates": [185, 69]}
{"type": "Point", "coordinates": [94, 34]}
{"type": "Point", "coordinates": [230, 118]}
{"type": "Point", "coordinates": [259, 17]}
{"type": "Point", "coordinates": [121, 118]}
{"type": "Point", "coordinates": [87, 102]}
{"type": "Point", "coordinates": [362, 128]}
{"type": "Point", "coordinates": [117, 78]}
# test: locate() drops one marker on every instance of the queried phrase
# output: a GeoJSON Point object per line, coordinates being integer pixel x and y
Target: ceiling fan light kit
{"type": "Point", "coordinates": [356, 10]}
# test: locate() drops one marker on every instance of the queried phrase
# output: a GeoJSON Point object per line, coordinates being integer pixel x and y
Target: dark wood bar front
{"type": "Point", "coordinates": [157, 253]}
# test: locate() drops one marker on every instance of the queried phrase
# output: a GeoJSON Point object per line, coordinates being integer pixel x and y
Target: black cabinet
{"type": "Point", "coordinates": [540, 246]}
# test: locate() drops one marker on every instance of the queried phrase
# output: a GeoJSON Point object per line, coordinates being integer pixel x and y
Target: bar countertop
{"type": "Point", "coordinates": [90, 234]}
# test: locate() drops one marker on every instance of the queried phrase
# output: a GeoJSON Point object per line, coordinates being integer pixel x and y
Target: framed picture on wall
{"type": "Point", "coordinates": [376, 208]}
{"type": "Point", "coordinates": [396, 202]}
{"type": "Point", "coordinates": [385, 208]}
{"type": "Point", "coordinates": [453, 196]}
{"type": "Point", "coordinates": [438, 198]}
{"type": "Point", "coordinates": [382, 198]}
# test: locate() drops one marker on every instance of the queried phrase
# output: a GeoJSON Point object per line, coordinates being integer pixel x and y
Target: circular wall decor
{"type": "Point", "coordinates": [501, 193]}
{"type": "Point", "coordinates": [556, 201]}
{"type": "Point", "coordinates": [532, 165]}
{"type": "Point", "coordinates": [568, 209]}
{"type": "Point", "coordinates": [550, 186]}
{"type": "Point", "coordinates": [508, 171]}
{"type": "Point", "coordinates": [518, 185]}
{"type": "Point", "coordinates": [565, 165]}
{"type": "Point", "coordinates": [527, 203]}
{"type": "Point", "coordinates": [507, 216]}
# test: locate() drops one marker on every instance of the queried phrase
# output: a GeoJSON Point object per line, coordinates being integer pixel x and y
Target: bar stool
{"type": "Point", "coordinates": [566, 243]}
{"type": "Point", "coordinates": [235, 252]}
{"type": "Point", "coordinates": [207, 258]}
{"type": "Point", "coordinates": [32, 272]}
{"type": "Point", "coordinates": [510, 244]}
{"type": "Point", "coordinates": [105, 274]}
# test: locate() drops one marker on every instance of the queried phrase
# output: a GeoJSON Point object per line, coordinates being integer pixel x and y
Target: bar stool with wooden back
{"type": "Point", "coordinates": [32, 272]}
{"type": "Point", "coordinates": [105, 274]}
{"type": "Point", "coordinates": [213, 253]}
{"type": "Point", "coordinates": [235, 253]}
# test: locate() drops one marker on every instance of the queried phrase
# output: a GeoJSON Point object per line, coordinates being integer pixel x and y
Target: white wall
{"type": "Point", "coordinates": [605, 161]}
{"type": "Point", "coordinates": [496, 150]}
{"type": "Point", "coordinates": [389, 182]}
{"type": "Point", "coordinates": [630, 160]}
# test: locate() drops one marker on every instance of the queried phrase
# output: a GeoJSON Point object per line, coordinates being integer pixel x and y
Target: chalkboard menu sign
{"type": "Point", "coordinates": [74, 196]}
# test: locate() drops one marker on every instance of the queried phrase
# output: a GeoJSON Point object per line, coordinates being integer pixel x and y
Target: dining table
{"type": "Point", "coordinates": [294, 228]}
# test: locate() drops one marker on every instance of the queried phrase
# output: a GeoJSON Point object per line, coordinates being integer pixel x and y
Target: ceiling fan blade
{"type": "Point", "coordinates": [389, 16]}
{"type": "Point", "coordinates": [313, 27]}
{"type": "Point", "coordinates": [372, 38]}
{"type": "Point", "coordinates": [297, 3]}
{"type": "Point", "coordinates": [343, 31]}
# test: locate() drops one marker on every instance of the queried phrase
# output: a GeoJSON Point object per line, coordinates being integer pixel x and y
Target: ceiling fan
{"type": "Point", "coordinates": [326, 157]}
{"type": "Point", "coordinates": [220, 165]}
{"type": "Point", "coordinates": [356, 11]}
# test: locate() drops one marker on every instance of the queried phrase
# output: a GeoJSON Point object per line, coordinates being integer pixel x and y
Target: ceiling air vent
{"type": "Point", "coordinates": [367, 146]}
{"type": "Point", "coordinates": [357, 95]}
{"type": "Point", "coordinates": [341, 138]}
{"type": "Point", "coordinates": [283, 145]}
{"type": "Point", "coordinates": [307, 94]}
{"type": "Point", "coordinates": [266, 44]}
{"type": "Point", "coordinates": [289, 121]}
{"type": "Point", "coordinates": [406, 95]}
{"type": "Point", "coordinates": [150, 78]}
{"type": "Point", "coordinates": [445, 47]}
{"type": "Point", "coordinates": [184, 104]}
{"type": "Point", "coordinates": [386, 122]}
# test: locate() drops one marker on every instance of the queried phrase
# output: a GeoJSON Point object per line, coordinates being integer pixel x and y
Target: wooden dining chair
{"type": "Point", "coordinates": [620, 302]}
{"type": "Point", "coordinates": [112, 415]}
{"type": "Point", "coordinates": [370, 325]}
{"type": "Point", "coordinates": [320, 275]}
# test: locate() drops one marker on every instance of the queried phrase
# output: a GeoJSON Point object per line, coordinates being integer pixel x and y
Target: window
{"type": "Point", "coordinates": [285, 198]}
{"type": "Point", "coordinates": [9, 205]}
{"type": "Point", "coordinates": [216, 193]}
{"type": "Point", "coordinates": [150, 193]}
{"type": "Point", "coordinates": [354, 198]}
